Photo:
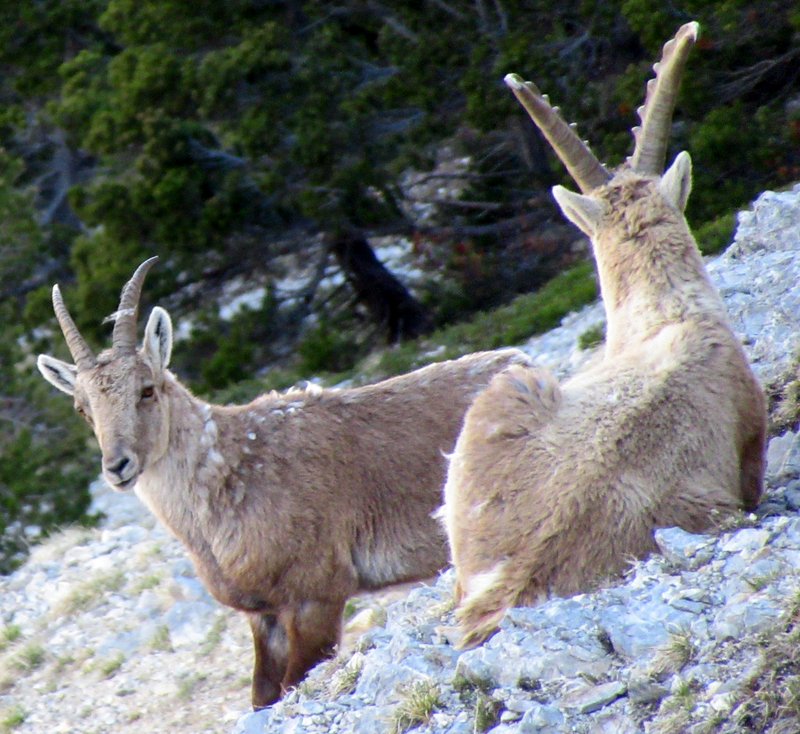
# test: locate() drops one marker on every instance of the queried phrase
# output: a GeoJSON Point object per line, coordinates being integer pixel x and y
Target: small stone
{"type": "Point", "coordinates": [644, 690]}
{"type": "Point", "coordinates": [364, 620]}
{"type": "Point", "coordinates": [682, 549]}
{"type": "Point", "coordinates": [687, 605]}
{"type": "Point", "coordinates": [448, 634]}
{"type": "Point", "coordinates": [746, 541]}
{"type": "Point", "coordinates": [541, 719]}
{"type": "Point", "coordinates": [792, 495]}
{"type": "Point", "coordinates": [722, 702]}
{"type": "Point", "coordinates": [518, 705]}
{"type": "Point", "coordinates": [590, 699]}
{"type": "Point", "coordinates": [747, 617]}
{"type": "Point", "coordinates": [783, 456]}
{"type": "Point", "coordinates": [309, 708]}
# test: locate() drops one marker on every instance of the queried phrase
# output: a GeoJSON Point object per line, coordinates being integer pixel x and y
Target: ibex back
{"type": "Point", "coordinates": [553, 487]}
{"type": "Point", "coordinates": [288, 505]}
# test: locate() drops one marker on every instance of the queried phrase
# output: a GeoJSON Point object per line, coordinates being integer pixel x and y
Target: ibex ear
{"type": "Point", "coordinates": [158, 339]}
{"type": "Point", "coordinates": [676, 183]}
{"type": "Point", "coordinates": [59, 374]}
{"type": "Point", "coordinates": [583, 211]}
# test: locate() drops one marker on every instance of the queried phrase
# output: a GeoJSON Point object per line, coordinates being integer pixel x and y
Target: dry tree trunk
{"type": "Point", "coordinates": [388, 301]}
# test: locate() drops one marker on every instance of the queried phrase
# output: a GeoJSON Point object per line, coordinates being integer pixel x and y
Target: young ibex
{"type": "Point", "coordinates": [552, 487]}
{"type": "Point", "coordinates": [288, 505]}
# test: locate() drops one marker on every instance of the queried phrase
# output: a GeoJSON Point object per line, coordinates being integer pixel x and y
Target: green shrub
{"type": "Point", "coordinates": [715, 236]}
{"type": "Point", "coordinates": [327, 348]}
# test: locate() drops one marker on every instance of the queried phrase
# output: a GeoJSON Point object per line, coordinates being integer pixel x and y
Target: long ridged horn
{"type": "Point", "coordinates": [123, 338]}
{"type": "Point", "coordinates": [651, 138]}
{"type": "Point", "coordinates": [584, 168]}
{"type": "Point", "coordinates": [81, 352]}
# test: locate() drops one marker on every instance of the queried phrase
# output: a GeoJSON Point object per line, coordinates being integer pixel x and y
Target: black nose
{"type": "Point", "coordinates": [119, 467]}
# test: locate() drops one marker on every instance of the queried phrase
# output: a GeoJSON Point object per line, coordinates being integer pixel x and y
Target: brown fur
{"type": "Point", "coordinates": [551, 487]}
{"type": "Point", "coordinates": [292, 503]}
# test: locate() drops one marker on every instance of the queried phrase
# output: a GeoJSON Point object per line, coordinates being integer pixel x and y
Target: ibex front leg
{"type": "Point", "coordinates": [313, 630]}
{"type": "Point", "coordinates": [271, 657]}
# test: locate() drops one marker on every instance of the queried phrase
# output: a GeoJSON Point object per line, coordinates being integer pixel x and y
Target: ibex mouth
{"type": "Point", "coordinates": [121, 469]}
{"type": "Point", "coordinates": [123, 486]}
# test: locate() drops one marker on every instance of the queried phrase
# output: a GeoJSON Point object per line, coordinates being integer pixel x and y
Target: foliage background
{"type": "Point", "coordinates": [227, 137]}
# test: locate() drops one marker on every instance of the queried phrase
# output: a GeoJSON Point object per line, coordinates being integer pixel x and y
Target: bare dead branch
{"type": "Point", "coordinates": [489, 206]}
{"type": "Point", "coordinates": [448, 9]}
{"type": "Point", "coordinates": [740, 82]}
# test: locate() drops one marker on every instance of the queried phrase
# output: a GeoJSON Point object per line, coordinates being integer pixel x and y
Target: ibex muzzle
{"type": "Point", "coordinates": [116, 391]}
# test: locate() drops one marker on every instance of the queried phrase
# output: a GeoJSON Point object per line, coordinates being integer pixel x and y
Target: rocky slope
{"type": "Point", "coordinates": [109, 631]}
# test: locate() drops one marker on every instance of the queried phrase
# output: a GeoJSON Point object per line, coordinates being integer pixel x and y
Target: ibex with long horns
{"type": "Point", "coordinates": [287, 505]}
{"type": "Point", "coordinates": [553, 487]}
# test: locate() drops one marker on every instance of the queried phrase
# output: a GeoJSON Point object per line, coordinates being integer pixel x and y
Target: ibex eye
{"type": "Point", "coordinates": [148, 392]}
{"type": "Point", "coordinates": [84, 414]}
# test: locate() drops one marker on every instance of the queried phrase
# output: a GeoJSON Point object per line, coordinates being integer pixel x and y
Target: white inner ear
{"type": "Point", "coordinates": [583, 211]}
{"type": "Point", "coordinates": [59, 374]}
{"type": "Point", "coordinates": [158, 339]}
{"type": "Point", "coordinates": [676, 183]}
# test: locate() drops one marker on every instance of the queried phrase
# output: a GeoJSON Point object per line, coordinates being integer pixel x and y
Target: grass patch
{"type": "Point", "coordinates": [783, 398]}
{"type": "Point", "coordinates": [419, 700]}
{"type": "Point", "coordinates": [771, 701]}
{"type": "Point", "coordinates": [9, 634]}
{"type": "Point", "coordinates": [677, 710]}
{"type": "Point", "coordinates": [214, 636]}
{"type": "Point", "coordinates": [91, 592]}
{"type": "Point", "coordinates": [674, 654]}
{"type": "Point", "coordinates": [524, 317]}
{"type": "Point", "coordinates": [145, 583]}
{"type": "Point", "coordinates": [767, 700]}
{"type": "Point", "coordinates": [160, 641]}
{"type": "Point", "coordinates": [30, 657]}
{"type": "Point", "coordinates": [63, 662]}
{"type": "Point", "coordinates": [345, 679]}
{"type": "Point", "coordinates": [759, 582]}
{"type": "Point", "coordinates": [593, 337]}
{"type": "Point", "coordinates": [12, 718]}
{"type": "Point", "coordinates": [487, 712]}
{"type": "Point", "coordinates": [715, 236]}
{"type": "Point", "coordinates": [187, 686]}
{"type": "Point", "coordinates": [351, 607]}
{"type": "Point", "coordinates": [108, 668]}
{"type": "Point", "coordinates": [466, 686]}
{"type": "Point", "coordinates": [731, 521]}
{"type": "Point", "coordinates": [311, 688]}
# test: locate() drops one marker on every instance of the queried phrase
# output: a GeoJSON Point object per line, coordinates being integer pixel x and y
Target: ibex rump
{"type": "Point", "coordinates": [553, 487]}
{"type": "Point", "coordinates": [287, 505]}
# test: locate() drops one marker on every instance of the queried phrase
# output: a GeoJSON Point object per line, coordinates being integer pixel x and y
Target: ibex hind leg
{"type": "Point", "coordinates": [313, 631]}
{"type": "Point", "coordinates": [516, 402]}
{"type": "Point", "coordinates": [271, 647]}
{"type": "Point", "coordinates": [752, 470]}
{"type": "Point", "coordinates": [481, 610]}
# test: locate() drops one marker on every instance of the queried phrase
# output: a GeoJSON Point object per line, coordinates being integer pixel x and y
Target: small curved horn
{"type": "Point", "coordinates": [581, 163]}
{"type": "Point", "coordinates": [123, 338]}
{"type": "Point", "coordinates": [81, 352]}
{"type": "Point", "coordinates": [651, 138]}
